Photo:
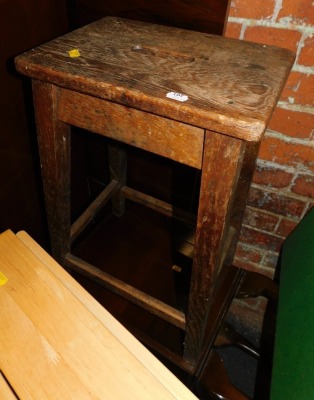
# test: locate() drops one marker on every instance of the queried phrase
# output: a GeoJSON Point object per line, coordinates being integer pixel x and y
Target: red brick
{"type": "Point", "coordinates": [287, 153]}
{"type": "Point", "coordinates": [244, 9]}
{"type": "Point", "coordinates": [272, 177]}
{"type": "Point", "coordinates": [254, 267]}
{"type": "Point", "coordinates": [245, 264]}
{"type": "Point", "coordinates": [305, 94]}
{"type": "Point", "coordinates": [285, 227]}
{"type": "Point", "coordinates": [261, 220]}
{"type": "Point", "coordinates": [261, 240]}
{"type": "Point", "coordinates": [300, 11]}
{"type": "Point", "coordinates": [233, 30]}
{"type": "Point", "coordinates": [306, 56]}
{"type": "Point", "coordinates": [270, 260]}
{"type": "Point", "coordinates": [292, 123]}
{"type": "Point", "coordinates": [250, 317]}
{"type": "Point", "coordinates": [251, 303]}
{"type": "Point", "coordinates": [285, 38]}
{"type": "Point", "coordinates": [248, 253]}
{"type": "Point", "coordinates": [292, 85]}
{"type": "Point", "coordinates": [304, 185]}
{"type": "Point", "coordinates": [276, 203]}
{"type": "Point", "coordinates": [299, 88]}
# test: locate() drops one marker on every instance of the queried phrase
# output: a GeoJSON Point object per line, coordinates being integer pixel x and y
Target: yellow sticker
{"type": "Point", "coordinates": [74, 53]}
{"type": "Point", "coordinates": [3, 279]}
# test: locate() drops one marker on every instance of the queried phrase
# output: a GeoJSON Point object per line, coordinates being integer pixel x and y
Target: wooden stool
{"type": "Point", "coordinates": [197, 99]}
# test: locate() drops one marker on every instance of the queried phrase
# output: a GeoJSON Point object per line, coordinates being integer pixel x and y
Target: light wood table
{"type": "Point", "coordinates": [58, 342]}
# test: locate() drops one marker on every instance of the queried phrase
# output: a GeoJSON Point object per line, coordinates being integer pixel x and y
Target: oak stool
{"type": "Point", "coordinates": [198, 99]}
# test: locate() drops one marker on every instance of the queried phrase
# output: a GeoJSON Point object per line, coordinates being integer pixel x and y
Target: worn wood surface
{"type": "Point", "coordinates": [117, 160]}
{"type": "Point", "coordinates": [160, 206]}
{"type": "Point", "coordinates": [71, 348]}
{"type": "Point", "coordinates": [155, 306]}
{"type": "Point", "coordinates": [158, 135]}
{"type": "Point", "coordinates": [232, 85]}
{"type": "Point", "coordinates": [89, 214]}
{"type": "Point", "coordinates": [250, 151]}
{"type": "Point", "coordinates": [54, 148]}
{"type": "Point", "coordinates": [222, 296]}
{"type": "Point", "coordinates": [218, 188]}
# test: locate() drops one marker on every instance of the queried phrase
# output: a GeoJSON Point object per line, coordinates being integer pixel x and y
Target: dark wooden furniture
{"type": "Point", "coordinates": [22, 26]}
{"type": "Point", "coordinates": [195, 98]}
{"type": "Point", "coordinates": [201, 15]}
{"type": "Point", "coordinates": [293, 366]}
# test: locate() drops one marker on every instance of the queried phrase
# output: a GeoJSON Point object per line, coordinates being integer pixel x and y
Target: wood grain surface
{"type": "Point", "coordinates": [158, 135]}
{"type": "Point", "coordinates": [232, 85]}
{"type": "Point", "coordinates": [57, 342]}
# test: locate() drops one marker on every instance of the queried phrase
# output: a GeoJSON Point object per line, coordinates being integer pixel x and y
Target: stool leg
{"type": "Point", "coordinates": [54, 150]}
{"type": "Point", "coordinates": [254, 285]}
{"type": "Point", "coordinates": [214, 382]}
{"type": "Point", "coordinates": [229, 336]}
{"type": "Point", "coordinates": [218, 187]}
{"type": "Point", "coordinates": [117, 164]}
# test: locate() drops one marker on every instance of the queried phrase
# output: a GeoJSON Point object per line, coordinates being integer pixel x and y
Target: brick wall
{"type": "Point", "coordinates": [283, 185]}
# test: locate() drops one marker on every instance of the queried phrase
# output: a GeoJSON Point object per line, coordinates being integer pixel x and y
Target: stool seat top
{"type": "Point", "coordinates": [227, 85]}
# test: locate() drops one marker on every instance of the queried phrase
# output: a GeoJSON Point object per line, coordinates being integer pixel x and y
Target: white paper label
{"type": "Point", "coordinates": [177, 96]}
